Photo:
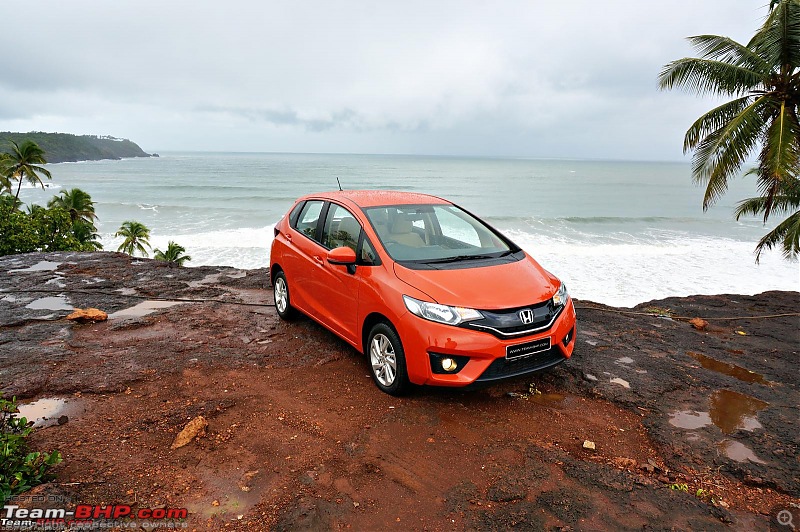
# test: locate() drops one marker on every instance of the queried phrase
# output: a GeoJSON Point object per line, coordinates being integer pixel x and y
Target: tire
{"type": "Point", "coordinates": [283, 303]}
{"type": "Point", "coordinates": [387, 360]}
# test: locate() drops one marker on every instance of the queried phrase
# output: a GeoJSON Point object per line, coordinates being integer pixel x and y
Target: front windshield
{"type": "Point", "coordinates": [434, 233]}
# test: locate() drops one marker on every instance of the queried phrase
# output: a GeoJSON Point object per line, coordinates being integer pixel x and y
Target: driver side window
{"type": "Point", "coordinates": [341, 229]}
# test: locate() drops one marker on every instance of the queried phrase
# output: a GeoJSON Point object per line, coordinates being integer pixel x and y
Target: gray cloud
{"type": "Point", "coordinates": [452, 77]}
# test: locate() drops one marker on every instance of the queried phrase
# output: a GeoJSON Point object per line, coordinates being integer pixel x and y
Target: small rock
{"type": "Point", "coordinates": [63, 420]}
{"type": "Point", "coordinates": [589, 445]}
{"type": "Point", "coordinates": [194, 428]}
{"type": "Point", "coordinates": [664, 479]}
{"type": "Point", "coordinates": [698, 323]}
{"type": "Point", "coordinates": [589, 377]}
{"type": "Point", "coordinates": [647, 467]}
{"type": "Point", "coordinates": [215, 502]}
{"type": "Point", "coordinates": [621, 382]}
{"type": "Point", "coordinates": [87, 315]}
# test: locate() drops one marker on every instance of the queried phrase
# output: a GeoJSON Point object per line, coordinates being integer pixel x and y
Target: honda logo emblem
{"type": "Point", "coordinates": [526, 315]}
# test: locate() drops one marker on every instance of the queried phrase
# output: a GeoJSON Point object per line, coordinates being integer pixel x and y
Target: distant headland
{"type": "Point", "coordinates": [65, 147]}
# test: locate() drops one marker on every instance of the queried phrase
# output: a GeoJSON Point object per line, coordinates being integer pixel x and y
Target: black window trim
{"type": "Point", "coordinates": [323, 213]}
{"type": "Point", "coordinates": [362, 235]}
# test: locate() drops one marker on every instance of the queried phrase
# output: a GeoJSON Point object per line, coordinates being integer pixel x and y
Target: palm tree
{"type": "Point", "coordinates": [763, 77]}
{"type": "Point", "coordinates": [86, 234]}
{"type": "Point", "coordinates": [5, 182]}
{"type": "Point", "coordinates": [22, 163]}
{"type": "Point", "coordinates": [174, 254]}
{"type": "Point", "coordinates": [78, 203]}
{"type": "Point", "coordinates": [136, 236]}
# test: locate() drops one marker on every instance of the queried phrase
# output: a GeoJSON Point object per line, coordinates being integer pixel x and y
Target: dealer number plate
{"type": "Point", "coordinates": [529, 348]}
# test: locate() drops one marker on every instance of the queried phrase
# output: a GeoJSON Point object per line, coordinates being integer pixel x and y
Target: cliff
{"type": "Point", "coordinates": [693, 428]}
{"type": "Point", "coordinates": [65, 147]}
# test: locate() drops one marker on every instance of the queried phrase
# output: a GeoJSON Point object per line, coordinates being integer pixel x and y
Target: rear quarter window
{"type": "Point", "coordinates": [308, 219]}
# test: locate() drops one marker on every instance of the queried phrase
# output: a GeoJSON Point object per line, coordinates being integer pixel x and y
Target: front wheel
{"type": "Point", "coordinates": [280, 289]}
{"type": "Point", "coordinates": [387, 360]}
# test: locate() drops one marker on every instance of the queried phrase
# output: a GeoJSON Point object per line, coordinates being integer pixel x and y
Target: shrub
{"type": "Point", "coordinates": [41, 230]}
{"type": "Point", "coordinates": [20, 470]}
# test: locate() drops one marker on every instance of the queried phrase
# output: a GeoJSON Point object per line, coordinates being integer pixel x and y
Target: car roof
{"type": "Point", "coordinates": [378, 198]}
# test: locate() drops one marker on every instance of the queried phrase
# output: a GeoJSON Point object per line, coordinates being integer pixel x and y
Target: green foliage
{"type": "Point", "coordinates": [42, 230]}
{"type": "Point", "coordinates": [763, 77]}
{"type": "Point", "coordinates": [136, 236]}
{"type": "Point", "coordinates": [174, 254]}
{"type": "Point", "coordinates": [680, 487]}
{"type": "Point", "coordinates": [63, 147]}
{"type": "Point", "coordinates": [20, 470]}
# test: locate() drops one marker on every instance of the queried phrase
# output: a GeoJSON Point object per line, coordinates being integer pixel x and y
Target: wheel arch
{"type": "Point", "coordinates": [273, 271]}
{"type": "Point", "coordinates": [370, 321]}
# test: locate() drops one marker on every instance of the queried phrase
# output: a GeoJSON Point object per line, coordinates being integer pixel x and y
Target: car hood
{"type": "Point", "coordinates": [498, 286]}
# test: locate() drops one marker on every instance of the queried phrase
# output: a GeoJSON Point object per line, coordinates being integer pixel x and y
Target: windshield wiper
{"type": "Point", "coordinates": [457, 258]}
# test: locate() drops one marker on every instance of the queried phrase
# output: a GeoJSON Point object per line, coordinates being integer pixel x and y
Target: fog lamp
{"type": "Point", "coordinates": [448, 364]}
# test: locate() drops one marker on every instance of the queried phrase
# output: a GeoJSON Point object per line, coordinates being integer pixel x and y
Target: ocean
{"type": "Point", "coordinates": [617, 232]}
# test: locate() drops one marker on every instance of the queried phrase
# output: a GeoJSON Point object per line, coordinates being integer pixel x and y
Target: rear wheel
{"type": "Point", "coordinates": [387, 360]}
{"type": "Point", "coordinates": [283, 305]}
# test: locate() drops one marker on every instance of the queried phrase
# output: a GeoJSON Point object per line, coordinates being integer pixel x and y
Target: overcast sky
{"type": "Point", "coordinates": [529, 78]}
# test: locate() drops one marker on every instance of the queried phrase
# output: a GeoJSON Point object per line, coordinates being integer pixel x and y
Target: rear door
{"type": "Point", "coordinates": [299, 265]}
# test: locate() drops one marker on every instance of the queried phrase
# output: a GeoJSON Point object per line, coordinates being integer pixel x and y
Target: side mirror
{"type": "Point", "coordinates": [343, 255]}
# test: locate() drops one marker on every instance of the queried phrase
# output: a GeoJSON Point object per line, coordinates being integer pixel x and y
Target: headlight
{"type": "Point", "coordinates": [440, 313]}
{"type": "Point", "coordinates": [561, 297]}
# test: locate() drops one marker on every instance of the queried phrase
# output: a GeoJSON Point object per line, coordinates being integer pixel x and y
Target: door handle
{"type": "Point", "coordinates": [288, 237]}
{"type": "Point", "coordinates": [318, 259]}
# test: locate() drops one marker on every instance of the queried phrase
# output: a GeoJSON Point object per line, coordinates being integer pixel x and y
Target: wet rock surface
{"type": "Point", "coordinates": [298, 436]}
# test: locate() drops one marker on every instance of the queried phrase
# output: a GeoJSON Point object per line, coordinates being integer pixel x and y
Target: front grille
{"type": "Point", "coordinates": [507, 323]}
{"type": "Point", "coordinates": [502, 368]}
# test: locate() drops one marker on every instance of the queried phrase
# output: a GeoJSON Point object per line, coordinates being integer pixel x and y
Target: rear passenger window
{"type": "Point", "coordinates": [309, 218]}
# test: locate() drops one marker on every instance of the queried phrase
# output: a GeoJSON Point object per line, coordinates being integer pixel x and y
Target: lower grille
{"type": "Point", "coordinates": [502, 368]}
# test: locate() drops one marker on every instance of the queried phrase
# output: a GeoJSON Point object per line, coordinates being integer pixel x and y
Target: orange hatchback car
{"type": "Point", "coordinates": [429, 292]}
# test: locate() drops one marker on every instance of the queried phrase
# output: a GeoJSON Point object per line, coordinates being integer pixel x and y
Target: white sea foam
{"type": "Point", "coordinates": [626, 274]}
{"type": "Point", "coordinates": [26, 186]}
{"type": "Point", "coordinates": [241, 248]}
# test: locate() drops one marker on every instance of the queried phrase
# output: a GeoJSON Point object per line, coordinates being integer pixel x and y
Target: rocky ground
{"type": "Point", "coordinates": [693, 429]}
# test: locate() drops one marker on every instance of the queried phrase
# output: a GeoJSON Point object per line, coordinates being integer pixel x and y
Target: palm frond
{"type": "Point", "coordinates": [714, 120]}
{"type": "Point", "coordinates": [778, 39]}
{"type": "Point", "coordinates": [787, 234]}
{"type": "Point", "coordinates": [720, 155]}
{"type": "Point", "coordinates": [729, 51]}
{"type": "Point", "coordinates": [706, 76]}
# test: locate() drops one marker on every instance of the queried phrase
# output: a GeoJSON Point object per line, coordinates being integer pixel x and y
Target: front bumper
{"type": "Point", "coordinates": [487, 353]}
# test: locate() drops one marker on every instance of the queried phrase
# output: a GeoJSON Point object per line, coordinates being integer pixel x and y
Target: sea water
{"type": "Point", "coordinates": [616, 232]}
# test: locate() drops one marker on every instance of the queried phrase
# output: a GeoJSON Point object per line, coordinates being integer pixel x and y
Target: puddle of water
{"type": "Point", "coordinates": [45, 412]}
{"type": "Point", "coordinates": [236, 275]}
{"type": "Point", "coordinates": [548, 399]}
{"type": "Point", "coordinates": [739, 452]}
{"type": "Point", "coordinates": [49, 303]}
{"type": "Point", "coordinates": [57, 280]}
{"type": "Point", "coordinates": [142, 309]}
{"type": "Point", "coordinates": [621, 382]}
{"type": "Point", "coordinates": [728, 410]}
{"type": "Point", "coordinates": [42, 266]}
{"type": "Point", "coordinates": [687, 419]}
{"type": "Point", "coordinates": [731, 411]}
{"type": "Point", "coordinates": [127, 291]}
{"type": "Point", "coordinates": [732, 370]}
{"type": "Point", "coordinates": [210, 278]}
